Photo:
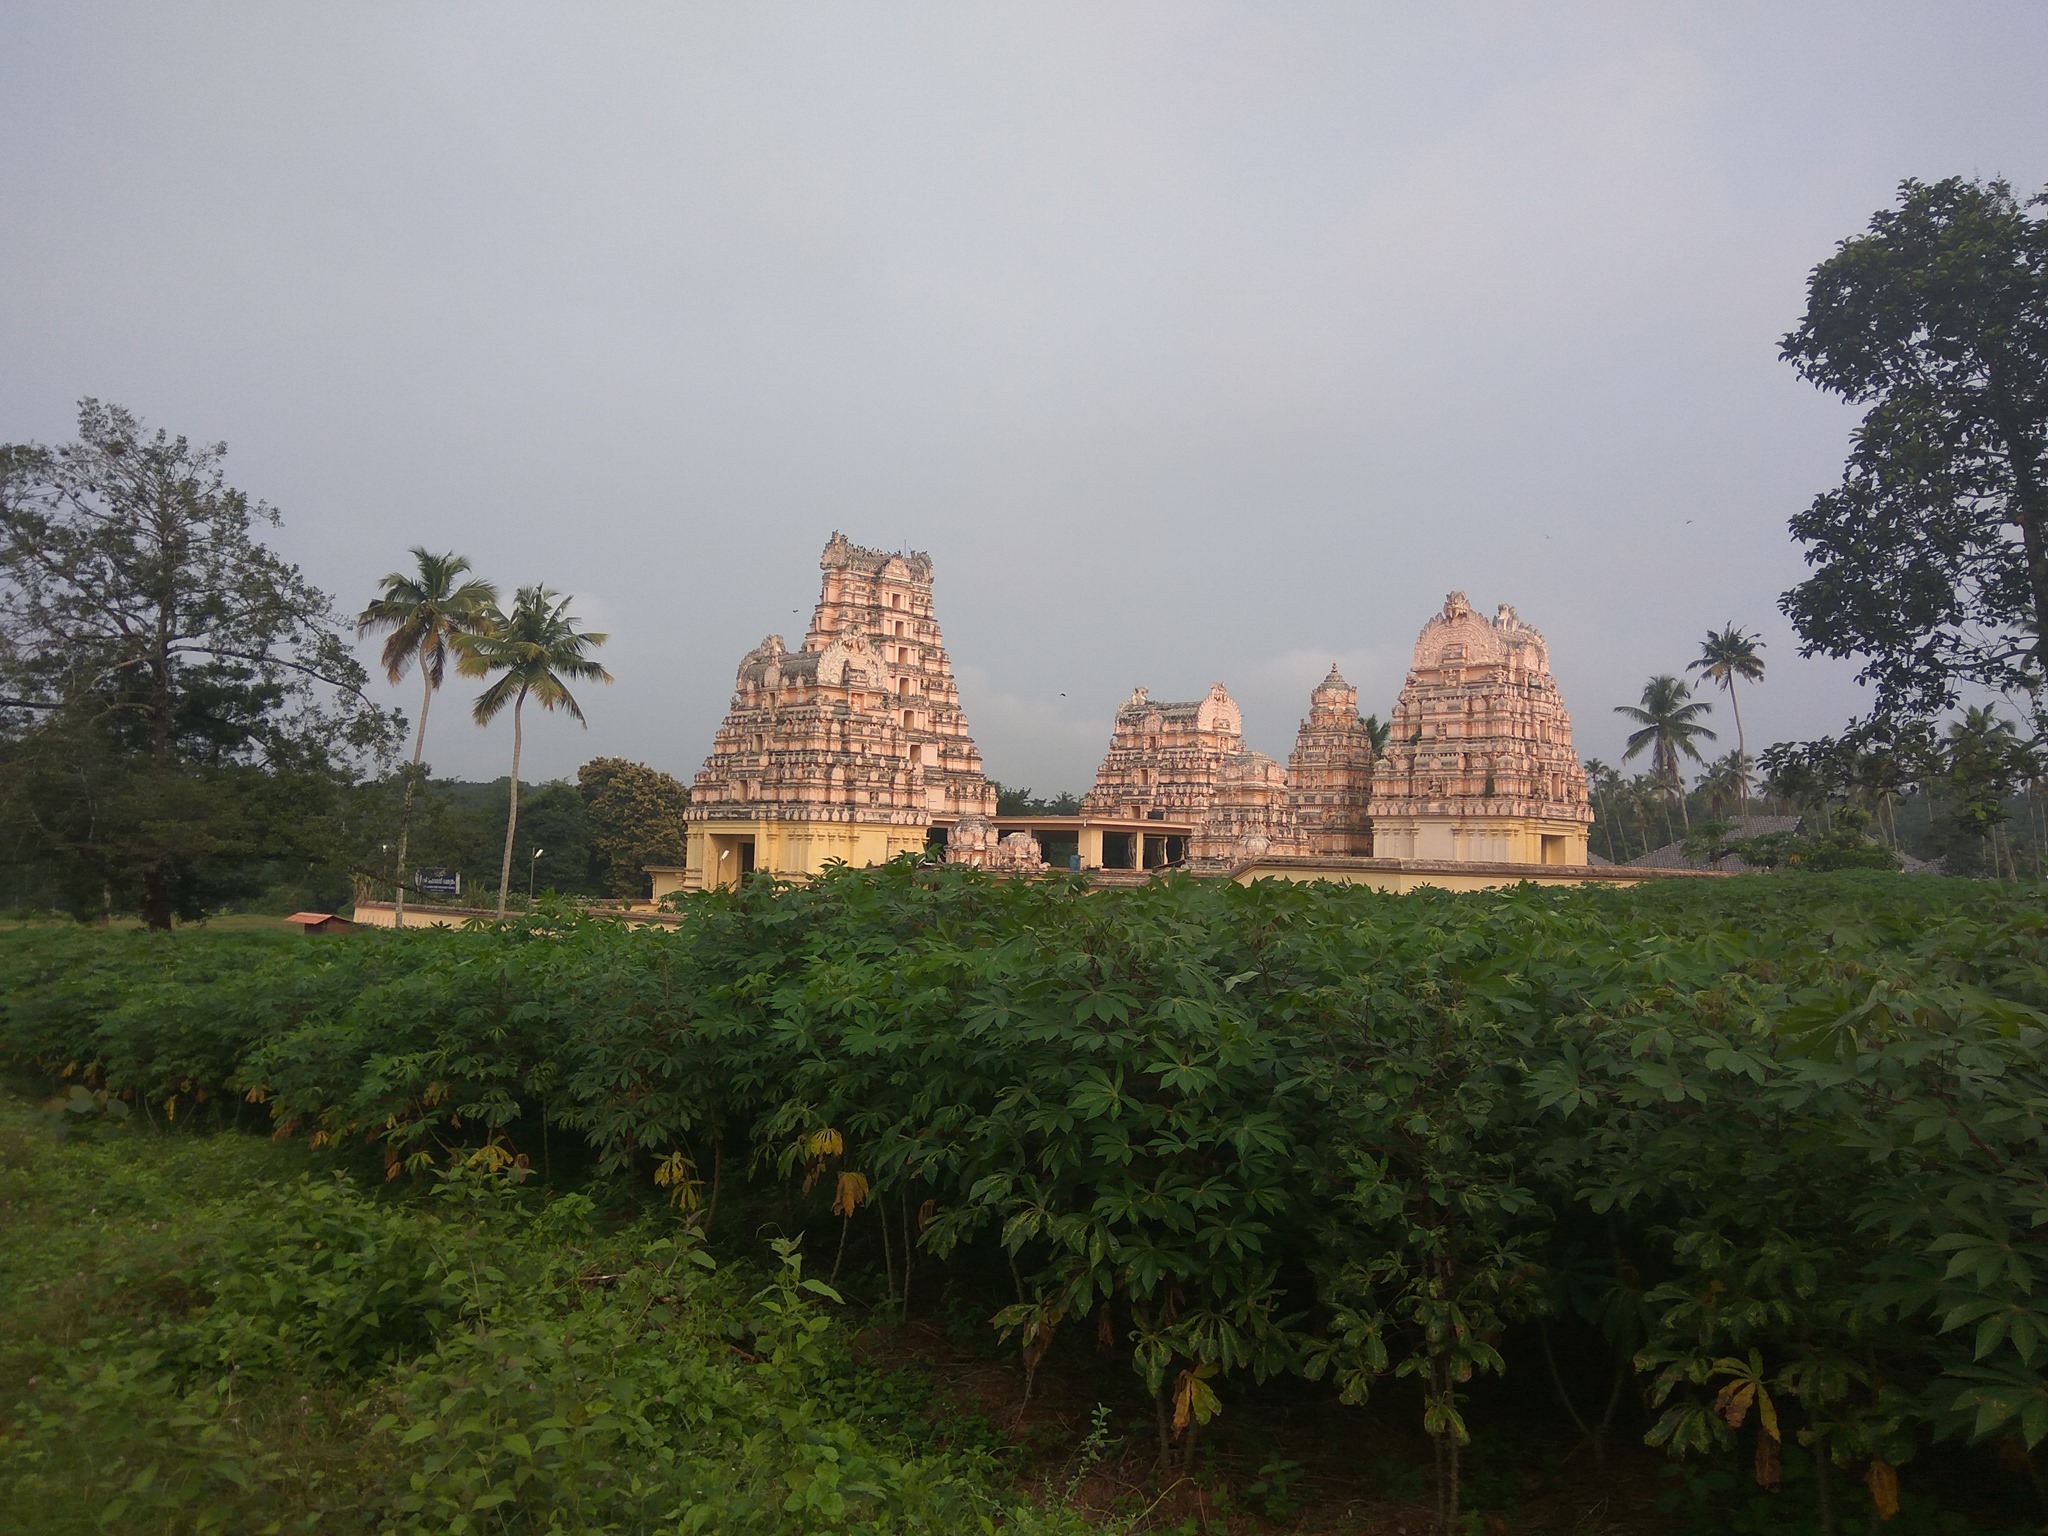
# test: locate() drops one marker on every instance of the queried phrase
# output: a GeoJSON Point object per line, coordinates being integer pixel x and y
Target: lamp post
{"type": "Point", "coordinates": [529, 873]}
{"type": "Point", "coordinates": [722, 857]}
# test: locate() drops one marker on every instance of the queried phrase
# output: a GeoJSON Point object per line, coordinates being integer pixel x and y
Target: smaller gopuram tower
{"type": "Point", "coordinates": [1330, 772]}
{"type": "Point", "coordinates": [1166, 757]}
{"type": "Point", "coordinates": [852, 747]}
{"type": "Point", "coordinates": [1250, 814]}
{"type": "Point", "coordinates": [1479, 766]}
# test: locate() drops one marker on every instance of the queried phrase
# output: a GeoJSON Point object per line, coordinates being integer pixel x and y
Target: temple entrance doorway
{"type": "Point", "coordinates": [732, 860]}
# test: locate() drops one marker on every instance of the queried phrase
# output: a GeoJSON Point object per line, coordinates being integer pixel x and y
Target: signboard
{"type": "Point", "coordinates": [437, 882]}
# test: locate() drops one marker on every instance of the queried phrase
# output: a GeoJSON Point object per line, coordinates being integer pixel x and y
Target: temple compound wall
{"type": "Point", "coordinates": [1479, 766]}
{"type": "Point", "coordinates": [851, 747]}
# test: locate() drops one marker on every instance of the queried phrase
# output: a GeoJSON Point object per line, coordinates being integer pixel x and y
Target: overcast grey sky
{"type": "Point", "coordinates": [1193, 341]}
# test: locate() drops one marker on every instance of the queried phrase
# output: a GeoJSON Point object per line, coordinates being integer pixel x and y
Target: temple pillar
{"type": "Point", "coordinates": [1089, 840]}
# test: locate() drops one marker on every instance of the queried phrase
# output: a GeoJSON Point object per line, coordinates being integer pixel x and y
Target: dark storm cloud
{"type": "Point", "coordinates": [1193, 342]}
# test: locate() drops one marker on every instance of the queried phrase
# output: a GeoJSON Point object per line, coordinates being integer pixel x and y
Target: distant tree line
{"type": "Point", "coordinates": [593, 836]}
{"type": "Point", "coordinates": [1011, 801]}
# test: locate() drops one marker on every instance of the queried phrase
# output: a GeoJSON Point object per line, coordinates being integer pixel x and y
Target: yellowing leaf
{"type": "Point", "coordinates": [678, 1175]}
{"type": "Point", "coordinates": [1733, 1400]}
{"type": "Point", "coordinates": [825, 1143]}
{"type": "Point", "coordinates": [1883, 1481]}
{"type": "Point", "coordinates": [255, 1095]}
{"type": "Point", "coordinates": [853, 1189]}
{"type": "Point", "coordinates": [1194, 1400]}
{"type": "Point", "coordinates": [1767, 1413]}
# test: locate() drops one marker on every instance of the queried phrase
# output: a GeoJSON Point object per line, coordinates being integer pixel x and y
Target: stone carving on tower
{"type": "Point", "coordinates": [976, 842]}
{"type": "Point", "coordinates": [1479, 765]}
{"type": "Point", "coordinates": [850, 747]}
{"type": "Point", "coordinates": [1249, 816]}
{"type": "Point", "coordinates": [1330, 772]}
{"type": "Point", "coordinates": [1166, 757]}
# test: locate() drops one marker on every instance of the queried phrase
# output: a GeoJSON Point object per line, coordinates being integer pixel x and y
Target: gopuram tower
{"type": "Point", "coordinates": [1479, 766]}
{"type": "Point", "coordinates": [853, 747]}
{"type": "Point", "coordinates": [1166, 757]}
{"type": "Point", "coordinates": [1330, 772]}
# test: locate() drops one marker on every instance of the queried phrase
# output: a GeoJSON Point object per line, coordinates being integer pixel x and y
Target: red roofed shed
{"type": "Point", "coordinates": [321, 922]}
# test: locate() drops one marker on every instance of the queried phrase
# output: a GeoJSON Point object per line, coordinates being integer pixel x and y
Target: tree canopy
{"type": "Point", "coordinates": [1670, 729]}
{"type": "Point", "coordinates": [1930, 558]}
{"type": "Point", "coordinates": [178, 704]}
{"type": "Point", "coordinates": [635, 817]}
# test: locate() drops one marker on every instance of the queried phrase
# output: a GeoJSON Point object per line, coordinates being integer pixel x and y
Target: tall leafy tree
{"type": "Point", "coordinates": [178, 704]}
{"type": "Point", "coordinates": [536, 650]}
{"type": "Point", "coordinates": [1671, 730]}
{"type": "Point", "coordinates": [423, 610]}
{"type": "Point", "coordinates": [1930, 559]}
{"type": "Point", "coordinates": [1725, 655]}
{"type": "Point", "coordinates": [635, 816]}
{"type": "Point", "coordinates": [1982, 761]}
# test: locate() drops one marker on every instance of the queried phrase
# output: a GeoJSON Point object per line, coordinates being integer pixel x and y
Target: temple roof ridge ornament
{"type": "Point", "coordinates": [1334, 685]}
{"type": "Point", "coordinates": [842, 554]}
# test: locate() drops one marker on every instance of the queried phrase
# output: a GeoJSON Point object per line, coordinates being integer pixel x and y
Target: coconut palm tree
{"type": "Point", "coordinates": [1670, 729]}
{"type": "Point", "coordinates": [1644, 792]}
{"type": "Point", "coordinates": [425, 610]}
{"type": "Point", "coordinates": [1725, 655]}
{"type": "Point", "coordinates": [537, 650]}
{"type": "Point", "coordinates": [1377, 731]}
{"type": "Point", "coordinates": [1601, 779]}
{"type": "Point", "coordinates": [1725, 784]}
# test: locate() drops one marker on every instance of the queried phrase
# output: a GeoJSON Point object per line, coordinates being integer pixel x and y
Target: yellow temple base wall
{"type": "Point", "coordinates": [1480, 839]}
{"type": "Point", "coordinates": [715, 852]}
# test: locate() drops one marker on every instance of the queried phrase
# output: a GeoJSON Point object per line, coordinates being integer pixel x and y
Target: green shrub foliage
{"type": "Point", "coordinates": [1776, 1146]}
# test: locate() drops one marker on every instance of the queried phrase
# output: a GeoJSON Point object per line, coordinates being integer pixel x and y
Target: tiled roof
{"type": "Point", "coordinates": [1740, 828]}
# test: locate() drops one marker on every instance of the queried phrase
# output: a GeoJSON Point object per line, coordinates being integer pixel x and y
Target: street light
{"type": "Point", "coordinates": [529, 873]}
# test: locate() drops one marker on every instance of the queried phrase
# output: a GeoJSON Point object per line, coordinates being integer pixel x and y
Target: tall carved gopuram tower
{"type": "Point", "coordinates": [1166, 757]}
{"type": "Point", "coordinates": [1479, 765]}
{"type": "Point", "coordinates": [852, 747]}
{"type": "Point", "coordinates": [1330, 771]}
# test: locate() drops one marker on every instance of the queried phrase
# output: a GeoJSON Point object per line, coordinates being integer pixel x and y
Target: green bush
{"type": "Point", "coordinates": [483, 1359]}
{"type": "Point", "coordinates": [1775, 1144]}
